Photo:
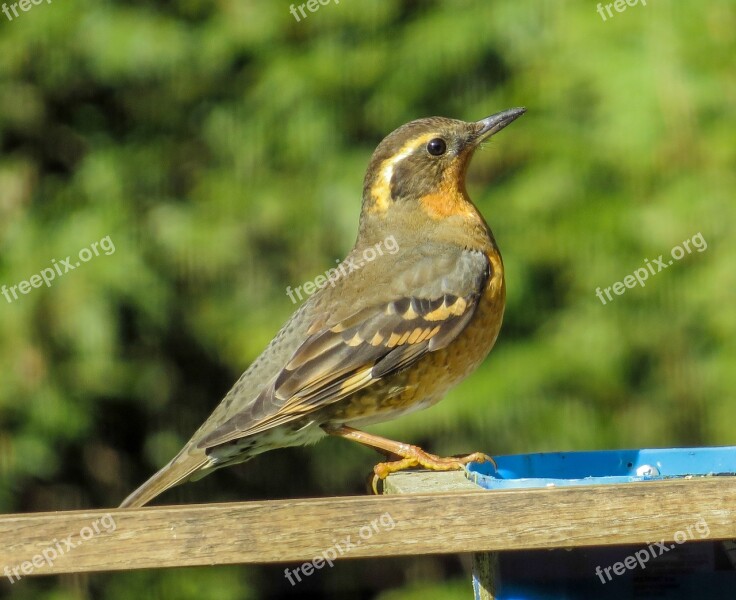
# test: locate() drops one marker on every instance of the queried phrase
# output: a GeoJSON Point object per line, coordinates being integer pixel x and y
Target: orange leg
{"type": "Point", "coordinates": [410, 456]}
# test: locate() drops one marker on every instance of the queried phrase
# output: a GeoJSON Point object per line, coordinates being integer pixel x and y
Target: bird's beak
{"type": "Point", "coordinates": [495, 123]}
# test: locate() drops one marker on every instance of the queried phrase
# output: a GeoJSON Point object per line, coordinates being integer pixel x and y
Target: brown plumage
{"type": "Point", "coordinates": [387, 337]}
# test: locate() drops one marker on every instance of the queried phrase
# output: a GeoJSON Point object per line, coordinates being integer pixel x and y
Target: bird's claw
{"type": "Point", "coordinates": [419, 458]}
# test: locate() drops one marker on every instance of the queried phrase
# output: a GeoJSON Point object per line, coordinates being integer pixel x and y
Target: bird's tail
{"type": "Point", "coordinates": [174, 473]}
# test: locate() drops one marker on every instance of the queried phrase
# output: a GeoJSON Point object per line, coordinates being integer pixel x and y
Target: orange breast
{"type": "Point", "coordinates": [433, 375]}
{"type": "Point", "coordinates": [471, 347]}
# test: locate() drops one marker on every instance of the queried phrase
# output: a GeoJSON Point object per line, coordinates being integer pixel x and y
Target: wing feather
{"type": "Point", "coordinates": [341, 358]}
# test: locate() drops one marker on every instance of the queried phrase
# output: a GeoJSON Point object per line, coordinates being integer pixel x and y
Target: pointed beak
{"type": "Point", "coordinates": [495, 123]}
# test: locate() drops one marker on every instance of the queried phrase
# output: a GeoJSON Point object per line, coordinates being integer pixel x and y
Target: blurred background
{"type": "Point", "coordinates": [220, 146]}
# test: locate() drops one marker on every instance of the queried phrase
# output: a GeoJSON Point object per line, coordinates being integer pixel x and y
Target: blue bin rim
{"type": "Point", "coordinates": [545, 469]}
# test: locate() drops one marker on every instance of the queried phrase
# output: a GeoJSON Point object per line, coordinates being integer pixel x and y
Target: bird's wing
{"type": "Point", "coordinates": [342, 356]}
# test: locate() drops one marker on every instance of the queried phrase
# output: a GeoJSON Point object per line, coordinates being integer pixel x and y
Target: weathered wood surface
{"type": "Point", "coordinates": [436, 523]}
{"type": "Point", "coordinates": [485, 564]}
{"type": "Point", "coordinates": [427, 482]}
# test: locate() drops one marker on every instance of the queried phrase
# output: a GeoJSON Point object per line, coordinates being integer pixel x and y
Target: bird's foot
{"type": "Point", "coordinates": [416, 457]}
{"type": "Point", "coordinates": [409, 456]}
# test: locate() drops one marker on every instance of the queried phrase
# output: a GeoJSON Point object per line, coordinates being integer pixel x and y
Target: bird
{"type": "Point", "coordinates": [382, 338]}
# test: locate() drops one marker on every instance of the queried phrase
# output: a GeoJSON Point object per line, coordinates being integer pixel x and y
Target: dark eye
{"type": "Point", "coordinates": [436, 147]}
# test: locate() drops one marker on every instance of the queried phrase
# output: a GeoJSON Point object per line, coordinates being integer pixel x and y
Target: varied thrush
{"type": "Point", "coordinates": [381, 341]}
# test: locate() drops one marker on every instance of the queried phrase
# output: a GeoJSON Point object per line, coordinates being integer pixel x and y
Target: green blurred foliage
{"type": "Point", "coordinates": [221, 146]}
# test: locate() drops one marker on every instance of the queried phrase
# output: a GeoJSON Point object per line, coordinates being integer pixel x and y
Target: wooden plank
{"type": "Point", "coordinates": [425, 482]}
{"type": "Point", "coordinates": [353, 527]}
{"type": "Point", "coordinates": [485, 575]}
{"type": "Point", "coordinates": [485, 564]}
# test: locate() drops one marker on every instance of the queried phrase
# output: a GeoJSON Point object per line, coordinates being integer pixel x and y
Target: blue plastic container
{"type": "Point", "coordinates": [696, 569]}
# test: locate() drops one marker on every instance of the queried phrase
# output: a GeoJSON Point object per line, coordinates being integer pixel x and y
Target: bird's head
{"type": "Point", "coordinates": [418, 171]}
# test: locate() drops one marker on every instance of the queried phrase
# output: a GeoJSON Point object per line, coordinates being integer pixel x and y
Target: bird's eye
{"type": "Point", "coordinates": [436, 147]}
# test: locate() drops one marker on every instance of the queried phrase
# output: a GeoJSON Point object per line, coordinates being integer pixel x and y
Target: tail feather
{"type": "Point", "coordinates": [177, 471]}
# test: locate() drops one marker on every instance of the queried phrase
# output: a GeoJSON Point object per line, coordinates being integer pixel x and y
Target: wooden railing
{"type": "Point", "coordinates": [438, 513]}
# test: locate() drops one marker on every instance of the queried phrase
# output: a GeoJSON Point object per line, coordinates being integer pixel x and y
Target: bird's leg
{"type": "Point", "coordinates": [410, 456]}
